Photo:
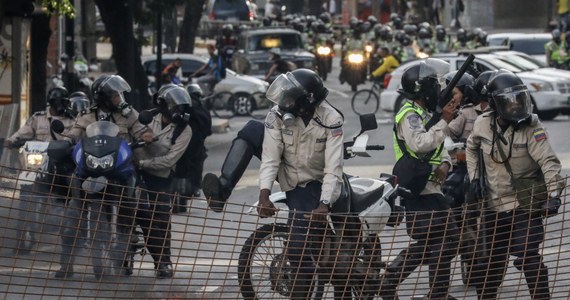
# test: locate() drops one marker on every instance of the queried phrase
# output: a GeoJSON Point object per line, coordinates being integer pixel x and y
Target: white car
{"type": "Point", "coordinates": [550, 92]}
{"type": "Point", "coordinates": [234, 83]}
{"type": "Point", "coordinates": [529, 43]}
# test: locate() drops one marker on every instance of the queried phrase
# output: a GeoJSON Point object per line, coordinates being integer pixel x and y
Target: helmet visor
{"type": "Point", "coordinates": [285, 90]}
{"type": "Point", "coordinates": [173, 96]}
{"type": "Point", "coordinates": [513, 104]}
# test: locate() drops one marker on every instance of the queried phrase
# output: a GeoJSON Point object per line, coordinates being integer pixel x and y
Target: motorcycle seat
{"type": "Point", "coordinates": [362, 198]}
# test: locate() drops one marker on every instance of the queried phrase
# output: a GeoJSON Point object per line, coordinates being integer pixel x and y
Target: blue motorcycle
{"type": "Point", "coordinates": [104, 185]}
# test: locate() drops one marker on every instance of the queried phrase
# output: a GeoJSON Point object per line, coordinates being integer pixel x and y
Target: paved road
{"type": "Point", "coordinates": [206, 244]}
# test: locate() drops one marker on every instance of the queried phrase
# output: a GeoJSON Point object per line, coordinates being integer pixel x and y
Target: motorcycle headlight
{"type": "Point", "coordinates": [368, 48]}
{"type": "Point", "coordinates": [355, 58]}
{"type": "Point", "coordinates": [324, 50]}
{"type": "Point", "coordinates": [35, 159]}
{"type": "Point", "coordinates": [104, 162]}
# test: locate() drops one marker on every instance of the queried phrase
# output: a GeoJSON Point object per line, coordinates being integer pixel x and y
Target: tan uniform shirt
{"type": "Point", "coordinates": [531, 152]}
{"type": "Point", "coordinates": [129, 126]}
{"type": "Point", "coordinates": [299, 154]}
{"type": "Point", "coordinates": [462, 125]}
{"type": "Point", "coordinates": [160, 157]}
{"type": "Point", "coordinates": [414, 134]}
{"type": "Point", "coordinates": [38, 126]}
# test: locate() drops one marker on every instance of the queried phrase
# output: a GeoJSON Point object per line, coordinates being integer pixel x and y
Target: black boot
{"type": "Point", "coordinates": [218, 190]}
{"type": "Point", "coordinates": [399, 269]}
{"type": "Point", "coordinates": [536, 275]}
{"type": "Point", "coordinates": [164, 270]}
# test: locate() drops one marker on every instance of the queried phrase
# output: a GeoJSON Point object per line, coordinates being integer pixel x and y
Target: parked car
{"type": "Point", "coordinates": [529, 43]}
{"type": "Point", "coordinates": [217, 13]}
{"type": "Point", "coordinates": [234, 83]}
{"type": "Point", "coordinates": [252, 56]}
{"type": "Point", "coordinates": [550, 92]}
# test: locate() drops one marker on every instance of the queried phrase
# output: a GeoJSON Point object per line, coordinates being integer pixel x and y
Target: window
{"type": "Point", "coordinates": [286, 41]}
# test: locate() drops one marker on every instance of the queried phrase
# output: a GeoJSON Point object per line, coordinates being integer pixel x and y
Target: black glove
{"type": "Point", "coordinates": [551, 206]}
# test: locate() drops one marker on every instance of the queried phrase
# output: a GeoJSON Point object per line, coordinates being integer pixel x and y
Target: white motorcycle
{"type": "Point", "coordinates": [351, 250]}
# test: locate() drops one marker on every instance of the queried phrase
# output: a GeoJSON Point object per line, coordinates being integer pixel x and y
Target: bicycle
{"type": "Point", "coordinates": [226, 105]}
{"type": "Point", "coordinates": [367, 101]}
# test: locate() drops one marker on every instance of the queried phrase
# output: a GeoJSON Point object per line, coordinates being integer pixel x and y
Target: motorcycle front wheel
{"type": "Point", "coordinates": [264, 272]}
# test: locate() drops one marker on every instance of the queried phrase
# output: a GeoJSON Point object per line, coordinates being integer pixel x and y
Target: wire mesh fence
{"type": "Point", "coordinates": [237, 255]}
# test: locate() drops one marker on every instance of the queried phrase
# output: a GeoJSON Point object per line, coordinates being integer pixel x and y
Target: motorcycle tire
{"type": "Point", "coordinates": [278, 284]}
{"type": "Point", "coordinates": [365, 102]}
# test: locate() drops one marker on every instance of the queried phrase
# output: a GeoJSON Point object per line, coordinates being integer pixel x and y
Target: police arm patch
{"type": "Point", "coordinates": [270, 119]}
{"type": "Point", "coordinates": [414, 121]}
{"type": "Point", "coordinates": [336, 132]}
{"type": "Point", "coordinates": [539, 134]}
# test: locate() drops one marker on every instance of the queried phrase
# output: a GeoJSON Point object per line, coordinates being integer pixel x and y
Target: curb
{"type": "Point", "coordinates": [220, 125]}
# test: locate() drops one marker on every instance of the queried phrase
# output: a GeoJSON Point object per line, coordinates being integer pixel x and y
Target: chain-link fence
{"type": "Point", "coordinates": [236, 255]}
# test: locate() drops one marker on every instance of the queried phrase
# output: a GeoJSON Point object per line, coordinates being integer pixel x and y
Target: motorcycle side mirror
{"type": "Point", "coordinates": [145, 117]}
{"type": "Point", "coordinates": [367, 122]}
{"type": "Point", "coordinates": [57, 126]}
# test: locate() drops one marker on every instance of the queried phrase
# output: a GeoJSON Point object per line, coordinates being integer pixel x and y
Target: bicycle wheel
{"type": "Point", "coordinates": [365, 102]}
{"type": "Point", "coordinates": [264, 272]}
{"type": "Point", "coordinates": [260, 105]}
{"type": "Point", "coordinates": [223, 105]}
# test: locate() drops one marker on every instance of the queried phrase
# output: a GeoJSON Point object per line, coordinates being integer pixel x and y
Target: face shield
{"type": "Point", "coordinates": [114, 87]}
{"type": "Point", "coordinates": [284, 91]}
{"type": "Point", "coordinates": [513, 104]}
{"type": "Point", "coordinates": [172, 95]}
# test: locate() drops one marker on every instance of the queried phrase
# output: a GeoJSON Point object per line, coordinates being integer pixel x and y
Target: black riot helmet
{"type": "Point", "coordinates": [462, 35]}
{"type": "Point", "coordinates": [424, 33]}
{"type": "Point", "coordinates": [325, 17]}
{"type": "Point", "coordinates": [480, 86]}
{"type": "Point", "coordinates": [411, 29]}
{"type": "Point", "coordinates": [421, 81]}
{"type": "Point", "coordinates": [405, 40]}
{"type": "Point", "coordinates": [397, 23]}
{"type": "Point", "coordinates": [174, 102]}
{"type": "Point", "coordinates": [58, 100]}
{"type": "Point", "coordinates": [78, 102]}
{"type": "Point", "coordinates": [195, 91]}
{"type": "Point", "coordinates": [440, 33]}
{"type": "Point", "coordinates": [107, 92]}
{"type": "Point", "coordinates": [227, 30]}
{"type": "Point", "coordinates": [299, 89]}
{"type": "Point", "coordinates": [372, 20]}
{"type": "Point", "coordinates": [466, 85]}
{"type": "Point", "coordinates": [510, 98]}
{"type": "Point", "coordinates": [353, 22]}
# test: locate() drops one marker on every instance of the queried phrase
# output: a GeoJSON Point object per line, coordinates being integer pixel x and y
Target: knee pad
{"type": "Point", "coordinates": [252, 133]}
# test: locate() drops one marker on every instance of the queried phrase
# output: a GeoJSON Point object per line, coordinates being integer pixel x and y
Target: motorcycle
{"type": "Point", "coordinates": [324, 52]}
{"type": "Point", "coordinates": [105, 178]}
{"type": "Point", "coordinates": [350, 256]}
{"type": "Point", "coordinates": [41, 179]}
{"type": "Point", "coordinates": [354, 66]}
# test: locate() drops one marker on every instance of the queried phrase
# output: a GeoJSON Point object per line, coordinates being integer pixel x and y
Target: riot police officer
{"type": "Point", "coordinates": [156, 162]}
{"type": "Point", "coordinates": [79, 103]}
{"type": "Point", "coordinates": [428, 217]}
{"type": "Point", "coordinates": [38, 128]}
{"type": "Point", "coordinates": [464, 92]}
{"type": "Point", "coordinates": [514, 146]}
{"type": "Point", "coordinates": [303, 146]}
{"type": "Point", "coordinates": [552, 49]}
{"type": "Point", "coordinates": [110, 105]}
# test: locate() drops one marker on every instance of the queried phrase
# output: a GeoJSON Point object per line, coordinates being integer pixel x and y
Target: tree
{"type": "Point", "coordinates": [40, 35]}
{"type": "Point", "coordinates": [192, 14]}
{"type": "Point", "coordinates": [117, 16]}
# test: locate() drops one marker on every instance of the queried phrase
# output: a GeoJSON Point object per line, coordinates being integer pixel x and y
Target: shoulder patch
{"type": "Point", "coordinates": [336, 131]}
{"type": "Point", "coordinates": [539, 134]}
{"type": "Point", "coordinates": [270, 119]}
{"type": "Point", "coordinates": [414, 121]}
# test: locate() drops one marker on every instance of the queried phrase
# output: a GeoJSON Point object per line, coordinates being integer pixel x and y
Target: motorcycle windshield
{"type": "Point", "coordinates": [105, 128]}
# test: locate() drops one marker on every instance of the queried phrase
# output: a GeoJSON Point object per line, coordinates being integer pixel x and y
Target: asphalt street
{"type": "Point", "coordinates": [206, 245]}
